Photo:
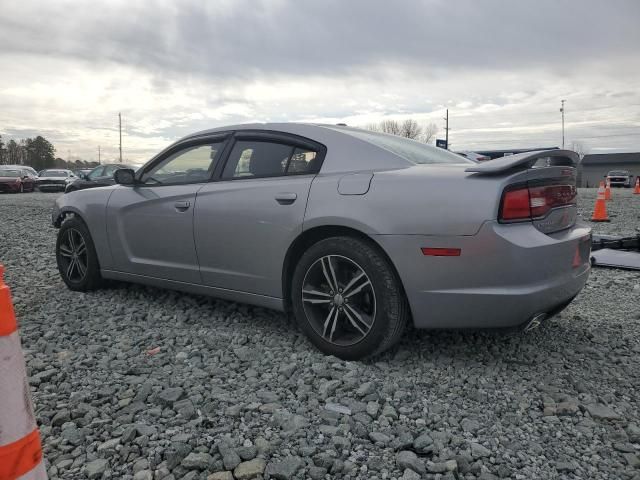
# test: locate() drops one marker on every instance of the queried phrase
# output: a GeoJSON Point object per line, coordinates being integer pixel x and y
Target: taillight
{"type": "Point", "coordinates": [527, 203]}
{"type": "Point", "coordinates": [515, 205]}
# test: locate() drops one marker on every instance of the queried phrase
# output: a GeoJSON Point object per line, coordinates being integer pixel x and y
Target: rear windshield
{"type": "Point", "coordinates": [411, 150]}
{"type": "Point", "coordinates": [53, 173]}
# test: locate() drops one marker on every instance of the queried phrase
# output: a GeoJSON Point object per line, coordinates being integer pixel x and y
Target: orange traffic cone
{"type": "Point", "coordinates": [600, 210]}
{"type": "Point", "coordinates": [20, 449]}
{"type": "Point", "coordinates": [607, 190]}
{"type": "Point", "coordinates": [636, 191]}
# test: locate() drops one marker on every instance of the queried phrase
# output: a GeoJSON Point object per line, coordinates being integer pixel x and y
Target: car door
{"type": "Point", "coordinates": [245, 221]}
{"type": "Point", "coordinates": [150, 224]}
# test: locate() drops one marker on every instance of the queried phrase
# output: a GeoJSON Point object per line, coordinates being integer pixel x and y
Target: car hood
{"type": "Point", "coordinates": [52, 178]}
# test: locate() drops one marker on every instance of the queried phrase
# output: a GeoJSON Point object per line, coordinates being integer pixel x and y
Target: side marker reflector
{"type": "Point", "coordinates": [441, 252]}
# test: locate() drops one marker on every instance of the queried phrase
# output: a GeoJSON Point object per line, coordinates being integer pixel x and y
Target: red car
{"type": "Point", "coordinates": [16, 180]}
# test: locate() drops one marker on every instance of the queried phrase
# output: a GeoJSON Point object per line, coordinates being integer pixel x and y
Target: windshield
{"type": "Point", "coordinates": [10, 173]}
{"type": "Point", "coordinates": [411, 150]}
{"type": "Point", "coordinates": [618, 172]}
{"type": "Point", "coordinates": [53, 173]}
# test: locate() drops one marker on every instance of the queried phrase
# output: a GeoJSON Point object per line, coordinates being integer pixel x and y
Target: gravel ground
{"type": "Point", "coordinates": [137, 382]}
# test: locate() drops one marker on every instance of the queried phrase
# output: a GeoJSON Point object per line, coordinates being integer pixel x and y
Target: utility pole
{"type": "Point", "coordinates": [562, 111]}
{"type": "Point", "coordinates": [98, 154]}
{"type": "Point", "coordinates": [446, 129]}
{"type": "Point", "coordinates": [120, 128]}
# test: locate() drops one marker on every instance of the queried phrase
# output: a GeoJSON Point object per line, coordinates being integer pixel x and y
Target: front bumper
{"type": "Point", "coordinates": [505, 275]}
{"type": "Point", "coordinates": [621, 184]}
{"type": "Point", "coordinates": [51, 186]}
{"type": "Point", "coordinates": [9, 187]}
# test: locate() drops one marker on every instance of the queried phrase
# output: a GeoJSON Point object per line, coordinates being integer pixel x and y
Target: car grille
{"type": "Point", "coordinates": [50, 182]}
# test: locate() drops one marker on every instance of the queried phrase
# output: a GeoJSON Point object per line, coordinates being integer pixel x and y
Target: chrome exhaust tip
{"type": "Point", "coordinates": [535, 321]}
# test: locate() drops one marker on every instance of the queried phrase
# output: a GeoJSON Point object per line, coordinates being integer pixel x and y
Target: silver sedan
{"type": "Point", "coordinates": [356, 233]}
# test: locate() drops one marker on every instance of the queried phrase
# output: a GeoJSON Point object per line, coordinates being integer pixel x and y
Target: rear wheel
{"type": "Point", "coordinates": [347, 298]}
{"type": "Point", "coordinates": [76, 256]}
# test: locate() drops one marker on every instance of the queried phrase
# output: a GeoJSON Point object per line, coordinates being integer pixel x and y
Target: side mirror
{"type": "Point", "coordinates": [125, 176]}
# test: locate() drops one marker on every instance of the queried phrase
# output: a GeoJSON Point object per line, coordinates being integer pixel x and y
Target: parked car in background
{"type": "Point", "coordinates": [100, 176]}
{"type": "Point", "coordinates": [16, 180]}
{"type": "Point", "coordinates": [355, 232]}
{"type": "Point", "coordinates": [620, 178]}
{"type": "Point", "coordinates": [81, 172]}
{"type": "Point", "coordinates": [54, 180]}
{"type": "Point", "coordinates": [32, 171]}
{"type": "Point", "coordinates": [473, 156]}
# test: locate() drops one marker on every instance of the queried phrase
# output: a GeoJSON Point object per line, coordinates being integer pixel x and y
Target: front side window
{"type": "Point", "coordinates": [251, 159]}
{"type": "Point", "coordinates": [190, 165]}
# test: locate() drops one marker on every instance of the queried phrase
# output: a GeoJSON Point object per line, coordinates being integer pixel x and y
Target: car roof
{"type": "Point", "coordinates": [344, 152]}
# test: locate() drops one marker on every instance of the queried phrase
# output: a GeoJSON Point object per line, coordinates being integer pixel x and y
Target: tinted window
{"type": "Point", "coordinates": [250, 158]}
{"type": "Point", "coordinates": [96, 172]}
{"type": "Point", "coordinates": [257, 159]}
{"type": "Point", "coordinates": [190, 165]}
{"type": "Point", "coordinates": [411, 150]}
{"type": "Point", "coordinates": [109, 170]}
{"type": "Point", "coordinates": [303, 160]}
{"type": "Point", "coordinates": [10, 173]}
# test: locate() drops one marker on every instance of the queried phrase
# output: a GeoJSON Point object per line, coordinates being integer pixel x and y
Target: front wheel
{"type": "Point", "coordinates": [76, 256]}
{"type": "Point", "coordinates": [348, 299]}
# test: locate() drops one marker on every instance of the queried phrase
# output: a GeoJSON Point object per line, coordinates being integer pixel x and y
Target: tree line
{"type": "Point", "coordinates": [37, 153]}
{"type": "Point", "coordinates": [408, 128]}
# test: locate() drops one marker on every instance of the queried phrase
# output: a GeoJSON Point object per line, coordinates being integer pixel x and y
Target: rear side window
{"type": "Point", "coordinates": [254, 159]}
{"type": "Point", "coordinates": [411, 150]}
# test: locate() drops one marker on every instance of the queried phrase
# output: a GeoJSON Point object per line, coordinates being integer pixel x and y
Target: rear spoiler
{"type": "Point", "coordinates": [565, 158]}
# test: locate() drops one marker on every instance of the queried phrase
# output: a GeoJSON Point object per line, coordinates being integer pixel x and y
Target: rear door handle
{"type": "Point", "coordinates": [286, 198]}
{"type": "Point", "coordinates": [182, 206]}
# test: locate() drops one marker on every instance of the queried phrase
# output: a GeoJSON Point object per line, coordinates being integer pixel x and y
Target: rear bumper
{"type": "Point", "coordinates": [505, 275]}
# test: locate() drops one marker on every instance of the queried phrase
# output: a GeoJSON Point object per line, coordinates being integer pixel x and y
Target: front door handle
{"type": "Point", "coordinates": [182, 206]}
{"type": "Point", "coordinates": [286, 198]}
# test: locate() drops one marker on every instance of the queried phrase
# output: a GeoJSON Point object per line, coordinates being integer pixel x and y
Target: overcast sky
{"type": "Point", "coordinates": [501, 68]}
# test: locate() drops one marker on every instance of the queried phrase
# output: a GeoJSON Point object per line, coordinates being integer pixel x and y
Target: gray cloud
{"type": "Point", "coordinates": [500, 66]}
{"type": "Point", "coordinates": [248, 38]}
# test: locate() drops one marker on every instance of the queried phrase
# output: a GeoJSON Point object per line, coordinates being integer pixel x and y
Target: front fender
{"type": "Point", "coordinates": [91, 206]}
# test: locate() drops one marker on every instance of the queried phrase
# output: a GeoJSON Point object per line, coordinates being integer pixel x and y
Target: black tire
{"type": "Point", "coordinates": [390, 311]}
{"type": "Point", "coordinates": [76, 278]}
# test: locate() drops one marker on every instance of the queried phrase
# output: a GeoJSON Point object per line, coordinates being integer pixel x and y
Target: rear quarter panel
{"type": "Point", "coordinates": [425, 200]}
{"type": "Point", "coordinates": [418, 200]}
